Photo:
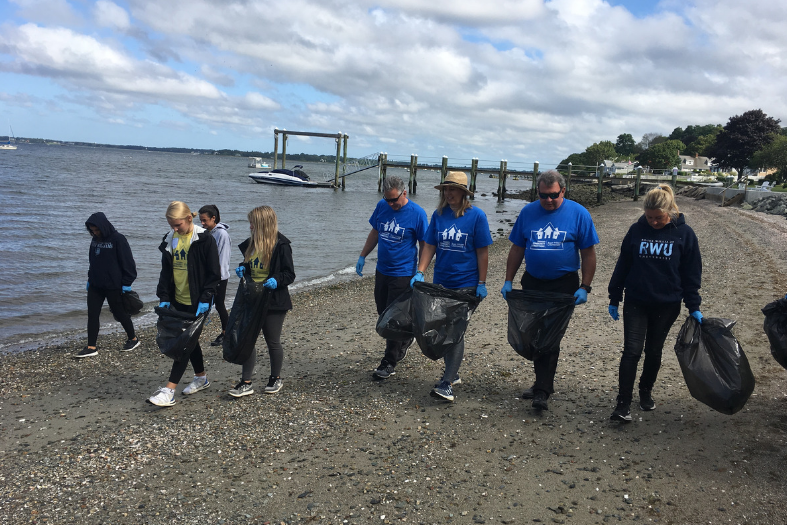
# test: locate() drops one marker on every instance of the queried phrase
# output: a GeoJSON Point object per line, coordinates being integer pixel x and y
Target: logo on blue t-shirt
{"type": "Point", "coordinates": [547, 238]}
{"type": "Point", "coordinates": [391, 231]}
{"type": "Point", "coordinates": [452, 239]}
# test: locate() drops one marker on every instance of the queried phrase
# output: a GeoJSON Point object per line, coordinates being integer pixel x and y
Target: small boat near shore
{"type": "Point", "coordinates": [8, 145]}
{"type": "Point", "coordinates": [257, 163]}
{"type": "Point", "coordinates": [284, 177]}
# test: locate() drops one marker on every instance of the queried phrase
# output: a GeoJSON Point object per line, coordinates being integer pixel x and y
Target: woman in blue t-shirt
{"type": "Point", "coordinates": [459, 237]}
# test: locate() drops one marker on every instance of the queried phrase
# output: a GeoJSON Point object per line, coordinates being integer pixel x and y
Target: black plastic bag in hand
{"type": "Point", "coordinates": [537, 320]}
{"type": "Point", "coordinates": [245, 322]}
{"type": "Point", "coordinates": [396, 322]}
{"type": "Point", "coordinates": [132, 304]}
{"type": "Point", "coordinates": [775, 327]}
{"type": "Point", "coordinates": [713, 364]}
{"type": "Point", "coordinates": [440, 317]}
{"type": "Point", "coordinates": [178, 332]}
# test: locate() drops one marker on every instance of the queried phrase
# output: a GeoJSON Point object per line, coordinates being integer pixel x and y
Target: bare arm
{"type": "Point", "coordinates": [588, 256]}
{"type": "Point", "coordinates": [482, 254]}
{"type": "Point", "coordinates": [515, 256]}
{"type": "Point", "coordinates": [427, 252]}
{"type": "Point", "coordinates": [371, 242]}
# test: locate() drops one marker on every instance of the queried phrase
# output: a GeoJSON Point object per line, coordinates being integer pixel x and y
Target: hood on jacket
{"type": "Point", "coordinates": [221, 226]}
{"type": "Point", "coordinates": [194, 235]}
{"type": "Point", "coordinates": [100, 221]}
{"type": "Point", "coordinates": [674, 223]}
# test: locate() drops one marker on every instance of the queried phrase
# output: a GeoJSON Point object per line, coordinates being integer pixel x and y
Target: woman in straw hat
{"type": "Point", "coordinates": [459, 237]}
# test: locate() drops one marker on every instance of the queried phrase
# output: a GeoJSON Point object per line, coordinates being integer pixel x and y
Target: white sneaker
{"type": "Point", "coordinates": [164, 397]}
{"type": "Point", "coordinates": [199, 383]}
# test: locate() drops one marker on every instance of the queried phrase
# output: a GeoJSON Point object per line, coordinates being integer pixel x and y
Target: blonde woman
{"type": "Point", "coordinates": [267, 258]}
{"type": "Point", "coordinates": [190, 273]}
{"type": "Point", "coordinates": [659, 265]}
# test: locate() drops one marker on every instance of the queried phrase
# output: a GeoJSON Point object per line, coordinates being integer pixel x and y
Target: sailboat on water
{"type": "Point", "coordinates": [8, 145]}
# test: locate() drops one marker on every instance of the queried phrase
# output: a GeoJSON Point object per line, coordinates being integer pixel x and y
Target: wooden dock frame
{"type": "Point", "coordinates": [340, 138]}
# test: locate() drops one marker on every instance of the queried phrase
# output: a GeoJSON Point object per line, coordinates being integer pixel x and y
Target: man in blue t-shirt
{"type": "Point", "coordinates": [397, 225]}
{"type": "Point", "coordinates": [556, 238]}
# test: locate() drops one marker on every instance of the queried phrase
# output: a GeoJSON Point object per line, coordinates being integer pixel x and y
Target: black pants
{"type": "Point", "coordinates": [644, 325]}
{"type": "Point", "coordinates": [386, 290]}
{"type": "Point", "coordinates": [179, 367]}
{"type": "Point", "coordinates": [271, 330]}
{"type": "Point", "coordinates": [218, 302]}
{"type": "Point", "coordinates": [95, 300]}
{"type": "Point", "coordinates": [545, 364]}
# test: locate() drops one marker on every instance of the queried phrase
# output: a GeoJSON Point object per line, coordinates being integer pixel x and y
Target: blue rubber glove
{"type": "Point", "coordinates": [87, 286]}
{"type": "Point", "coordinates": [125, 289]}
{"type": "Point", "coordinates": [507, 287]}
{"type": "Point", "coordinates": [480, 291]}
{"type": "Point", "coordinates": [613, 312]}
{"type": "Point", "coordinates": [417, 278]}
{"type": "Point", "coordinates": [359, 265]}
{"type": "Point", "coordinates": [202, 308]}
{"type": "Point", "coordinates": [239, 271]}
{"type": "Point", "coordinates": [785, 295]}
{"type": "Point", "coordinates": [696, 314]}
{"type": "Point", "coordinates": [581, 295]}
{"type": "Point", "coordinates": [270, 283]}
{"type": "Point", "coordinates": [163, 304]}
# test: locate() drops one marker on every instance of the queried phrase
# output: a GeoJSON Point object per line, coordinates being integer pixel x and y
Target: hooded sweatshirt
{"type": "Point", "coordinates": [222, 236]}
{"type": "Point", "coordinates": [112, 265]}
{"type": "Point", "coordinates": [202, 266]}
{"type": "Point", "coordinates": [658, 266]}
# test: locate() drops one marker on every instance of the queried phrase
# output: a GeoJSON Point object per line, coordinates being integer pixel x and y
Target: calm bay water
{"type": "Point", "coordinates": [48, 192]}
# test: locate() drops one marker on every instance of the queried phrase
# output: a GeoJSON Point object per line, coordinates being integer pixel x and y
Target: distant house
{"type": "Point", "coordinates": [695, 163]}
{"type": "Point", "coordinates": [611, 168]}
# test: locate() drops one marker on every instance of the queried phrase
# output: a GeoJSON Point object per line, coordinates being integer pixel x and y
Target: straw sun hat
{"type": "Point", "coordinates": [455, 179]}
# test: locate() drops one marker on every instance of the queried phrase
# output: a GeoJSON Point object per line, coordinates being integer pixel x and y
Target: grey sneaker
{"type": "Point", "coordinates": [443, 390]}
{"type": "Point", "coordinates": [274, 385]}
{"type": "Point", "coordinates": [242, 389]}
{"type": "Point", "coordinates": [384, 371]}
{"type": "Point", "coordinates": [130, 345]}
{"type": "Point", "coordinates": [86, 352]}
{"type": "Point", "coordinates": [199, 383]}
{"type": "Point", "coordinates": [164, 397]}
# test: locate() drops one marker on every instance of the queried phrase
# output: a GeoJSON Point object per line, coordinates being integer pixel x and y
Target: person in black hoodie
{"type": "Point", "coordinates": [267, 258]}
{"type": "Point", "coordinates": [659, 265]}
{"type": "Point", "coordinates": [111, 273]}
{"type": "Point", "coordinates": [189, 276]}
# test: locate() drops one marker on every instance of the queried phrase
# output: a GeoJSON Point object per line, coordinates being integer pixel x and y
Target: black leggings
{"type": "Point", "coordinates": [218, 302]}
{"type": "Point", "coordinates": [271, 330]}
{"type": "Point", "coordinates": [644, 325]}
{"type": "Point", "coordinates": [95, 301]}
{"type": "Point", "coordinates": [179, 367]}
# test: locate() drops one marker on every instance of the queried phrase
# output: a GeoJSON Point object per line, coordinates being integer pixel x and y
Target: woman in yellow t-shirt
{"type": "Point", "coordinates": [190, 273]}
{"type": "Point", "coordinates": [267, 258]}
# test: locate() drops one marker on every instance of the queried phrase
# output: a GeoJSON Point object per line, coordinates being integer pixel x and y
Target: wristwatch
{"type": "Point", "coordinates": [586, 287]}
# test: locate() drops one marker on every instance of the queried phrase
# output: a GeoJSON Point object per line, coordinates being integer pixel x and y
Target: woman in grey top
{"type": "Point", "coordinates": [211, 220]}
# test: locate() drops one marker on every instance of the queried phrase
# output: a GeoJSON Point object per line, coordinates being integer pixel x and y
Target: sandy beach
{"type": "Point", "coordinates": [78, 444]}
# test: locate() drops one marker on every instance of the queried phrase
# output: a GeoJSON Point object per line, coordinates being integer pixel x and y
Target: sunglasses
{"type": "Point", "coordinates": [546, 196]}
{"type": "Point", "coordinates": [391, 201]}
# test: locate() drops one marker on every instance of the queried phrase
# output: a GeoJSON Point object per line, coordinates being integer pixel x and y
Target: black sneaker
{"type": "Point", "coordinates": [622, 412]}
{"type": "Point", "coordinates": [646, 400]}
{"type": "Point", "coordinates": [529, 393]}
{"type": "Point", "coordinates": [384, 371]}
{"type": "Point", "coordinates": [130, 345]}
{"type": "Point", "coordinates": [540, 401]}
{"type": "Point", "coordinates": [274, 385]}
{"type": "Point", "coordinates": [218, 341]}
{"type": "Point", "coordinates": [87, 352]}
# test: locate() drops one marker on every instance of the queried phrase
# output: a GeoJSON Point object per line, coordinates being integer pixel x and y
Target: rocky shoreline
{"type": "Point", "coordinates": [79, 445]}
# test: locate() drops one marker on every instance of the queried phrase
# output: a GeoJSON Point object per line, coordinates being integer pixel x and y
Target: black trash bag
{"type": "Point", "coordinates": [537, 320]}
{"type": "Point", "coordinates": [775, 327]}
{"type": "Point", "coordinates": [713, 364]}
{"type": "Point", "coordinates": [396, 321]}
{"type": "Point", "coordinates": [132, 304]}
{"type": "Point", "coordinates": [440, 317]}
{"type": "Point", "coordinates": [245, 321]}
{"type": "Point", "coordinates": [178, 332]}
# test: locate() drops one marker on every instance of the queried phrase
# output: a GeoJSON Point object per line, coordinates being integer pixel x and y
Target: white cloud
{"type": "Point", "coordinates": [56, 12]}
{"type": "Point", "coordinates": [109, 14]}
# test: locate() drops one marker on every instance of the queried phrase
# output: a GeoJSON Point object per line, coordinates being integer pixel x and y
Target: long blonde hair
{"type": "Point", "coordinates": [264, 233]}
{"type": "Point", "coordinates": [462, 209]}
{"type": "Point", "coordinates": [662, 198]}
{"type": "Point", "coordinates": [178, 210]}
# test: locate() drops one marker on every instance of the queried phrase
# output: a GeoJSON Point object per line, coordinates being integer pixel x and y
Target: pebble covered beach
{"type": "Point", "coordinates": [78, 444]}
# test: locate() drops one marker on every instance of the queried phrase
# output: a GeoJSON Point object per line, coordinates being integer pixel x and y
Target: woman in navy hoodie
{"type": "Point", "coordinates": [659, 265]}
{"type": "Point", "coordinates": [112, 270]}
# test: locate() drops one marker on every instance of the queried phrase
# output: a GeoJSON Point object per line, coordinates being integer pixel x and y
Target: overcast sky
{"type": "Point", "coordinates": [522, 80]}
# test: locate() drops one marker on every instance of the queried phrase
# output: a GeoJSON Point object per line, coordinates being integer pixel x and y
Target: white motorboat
{"type": "Point", "coordinates": [256, 162]}
{"type": "Point", "coordinates": [285, 177]}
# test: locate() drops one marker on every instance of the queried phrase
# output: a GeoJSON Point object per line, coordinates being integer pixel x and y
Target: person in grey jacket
{"type": "Point", "coordinates": [211, 220]}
